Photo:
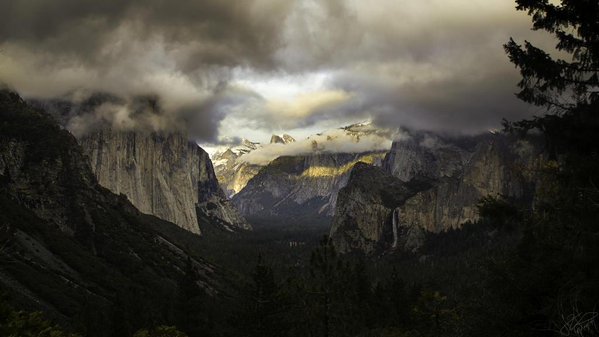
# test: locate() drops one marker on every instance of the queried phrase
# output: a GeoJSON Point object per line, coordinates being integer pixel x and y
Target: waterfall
{"type": "Point", "coordinates": [395, 224]}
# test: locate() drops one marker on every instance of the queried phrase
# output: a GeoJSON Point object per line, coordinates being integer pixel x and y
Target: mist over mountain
{"type": "Point", "coordinates": [236, 166]}
{"type": "Point", "coordinates": [263, 66]}
{"type": "Point", "coordinates": [282, 168]}
{"type": "Point", "coordinates": [150, 161]}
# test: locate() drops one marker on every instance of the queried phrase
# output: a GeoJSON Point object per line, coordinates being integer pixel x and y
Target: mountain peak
{"type": "Point", "coordinates": [276, 139]}
{"type": "Point", "coordinates": [288, 139]}
{"type": "Point", "coordinates": [284, 139]}
{"type": "Point", "coordinates": [249, 144]}
{"type": "Point", "coordinates": [364, 126]}
{"type": "Point", "coordinates": [228, 154]}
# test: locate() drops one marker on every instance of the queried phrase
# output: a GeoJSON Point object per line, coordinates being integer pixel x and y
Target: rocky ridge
{"type": "Point", "coordinates": [236, 166]}
{"type": "Point", "coordinates": [458, 174]}
{"type": "Point", "coordinates": [300, 185]}
{"type": "Point", "coordinates": [365, 217]}
{"type": "Point", "coordinates": [162, 174]}
{"type": "Point", "coordinates": [233, 172]}
{"type": "Point", "coordinates": [284, 139]}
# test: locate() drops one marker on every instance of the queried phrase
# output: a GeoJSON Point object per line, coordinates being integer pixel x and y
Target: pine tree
{"type": "Point", "coordinates": [568, 89]}
{"type": "Point", "coordinates": [160, 331]}
{"type": "Point", "coordinates": [339, 293]}
{"type": "Point", "coordinates": [266, 304]}
{"type": "Point", "coordinates": [555, 83]}
{"type": "Point", "coordinates": [191, 314]}
{"type": "Point", "coordinates": [550, 279]}
{"type": "Point", "coordinates": [27, 324]}
{"type": "Point", "coordinates": [324, 264]}
{"type": "Point", "coordinates": [262, 310]}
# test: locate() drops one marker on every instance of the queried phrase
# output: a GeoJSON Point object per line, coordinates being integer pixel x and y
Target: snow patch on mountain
{"type": "Point", "coordinates": [236, 165]}
{"type": "Point", "coordinates": [356, 138]}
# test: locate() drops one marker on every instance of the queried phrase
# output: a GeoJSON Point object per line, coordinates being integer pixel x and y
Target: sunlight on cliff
{"type": "Point", "coordinates": [327, 171]}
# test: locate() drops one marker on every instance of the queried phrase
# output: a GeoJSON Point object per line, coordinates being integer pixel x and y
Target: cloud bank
{"type": "Point", "coordinates": [353, 140]}
{"type": "Point", "coordinates": [179, 51]}
{"type": "Point", "coordinates": [216, 67]}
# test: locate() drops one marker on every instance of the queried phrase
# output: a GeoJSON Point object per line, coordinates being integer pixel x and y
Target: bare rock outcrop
{"type": "Point", "coordinates": [162, 174]}
{"type": "Point", "coordinates": [366, 218]}
{"type": "Point", "coordinates": [300, 185]}
{"type": "Point", "coordinates": [458, 174]}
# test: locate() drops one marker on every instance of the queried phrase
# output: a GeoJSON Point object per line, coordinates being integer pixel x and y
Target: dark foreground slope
{"type": "Point", "coordinates": [81, 254]}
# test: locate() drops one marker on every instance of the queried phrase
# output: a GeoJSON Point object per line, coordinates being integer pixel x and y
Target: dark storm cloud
{"type": "Point", "coordinates": [216, 32]}
{"type": "Point", "coordinates": [215, 108]}
{"type": "Point", "coordinates": [430, 64]}
{"type": "Point", "coordinates": [454, 105]}
{"type": "Point", "coordinates": [436, 65]}
{"type": "Point", "coordinates": [180, 51]}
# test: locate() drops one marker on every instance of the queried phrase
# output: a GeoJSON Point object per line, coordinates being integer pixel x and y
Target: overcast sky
{"type": "Point", "coordinates": [250, 68]}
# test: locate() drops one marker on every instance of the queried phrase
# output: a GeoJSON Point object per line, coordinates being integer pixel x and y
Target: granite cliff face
{"type": "Point", "coordinates": [300, 185]}
{"type": "Point", "coordinates": [162, 174]}
{"type": "Point", "coordinates": [365, 217]}
{"type": "Point", "coordinates": [457, 174]}
{"type": "Point", "coordinates": [72, 243]}
{"type": "Point", "coordinates": [497, 167]}
{"type": "Point", "coordinates": [423, 157]}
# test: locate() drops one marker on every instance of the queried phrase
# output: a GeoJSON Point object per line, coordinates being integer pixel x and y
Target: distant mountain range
{"type": "Point", "coordinates": [236, 166]}
{"type": "Point", "coordinates": [383, 189]}
{"type": "Point", "coordinates": [232, 172]}
{"type": "Point", "coordinates": [112, 216]}
{"type": "Point", "coordinates": [302, 185]}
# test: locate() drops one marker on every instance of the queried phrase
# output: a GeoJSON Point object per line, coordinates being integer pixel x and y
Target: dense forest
{"type": "Point", "coordinates": [516, 272]}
